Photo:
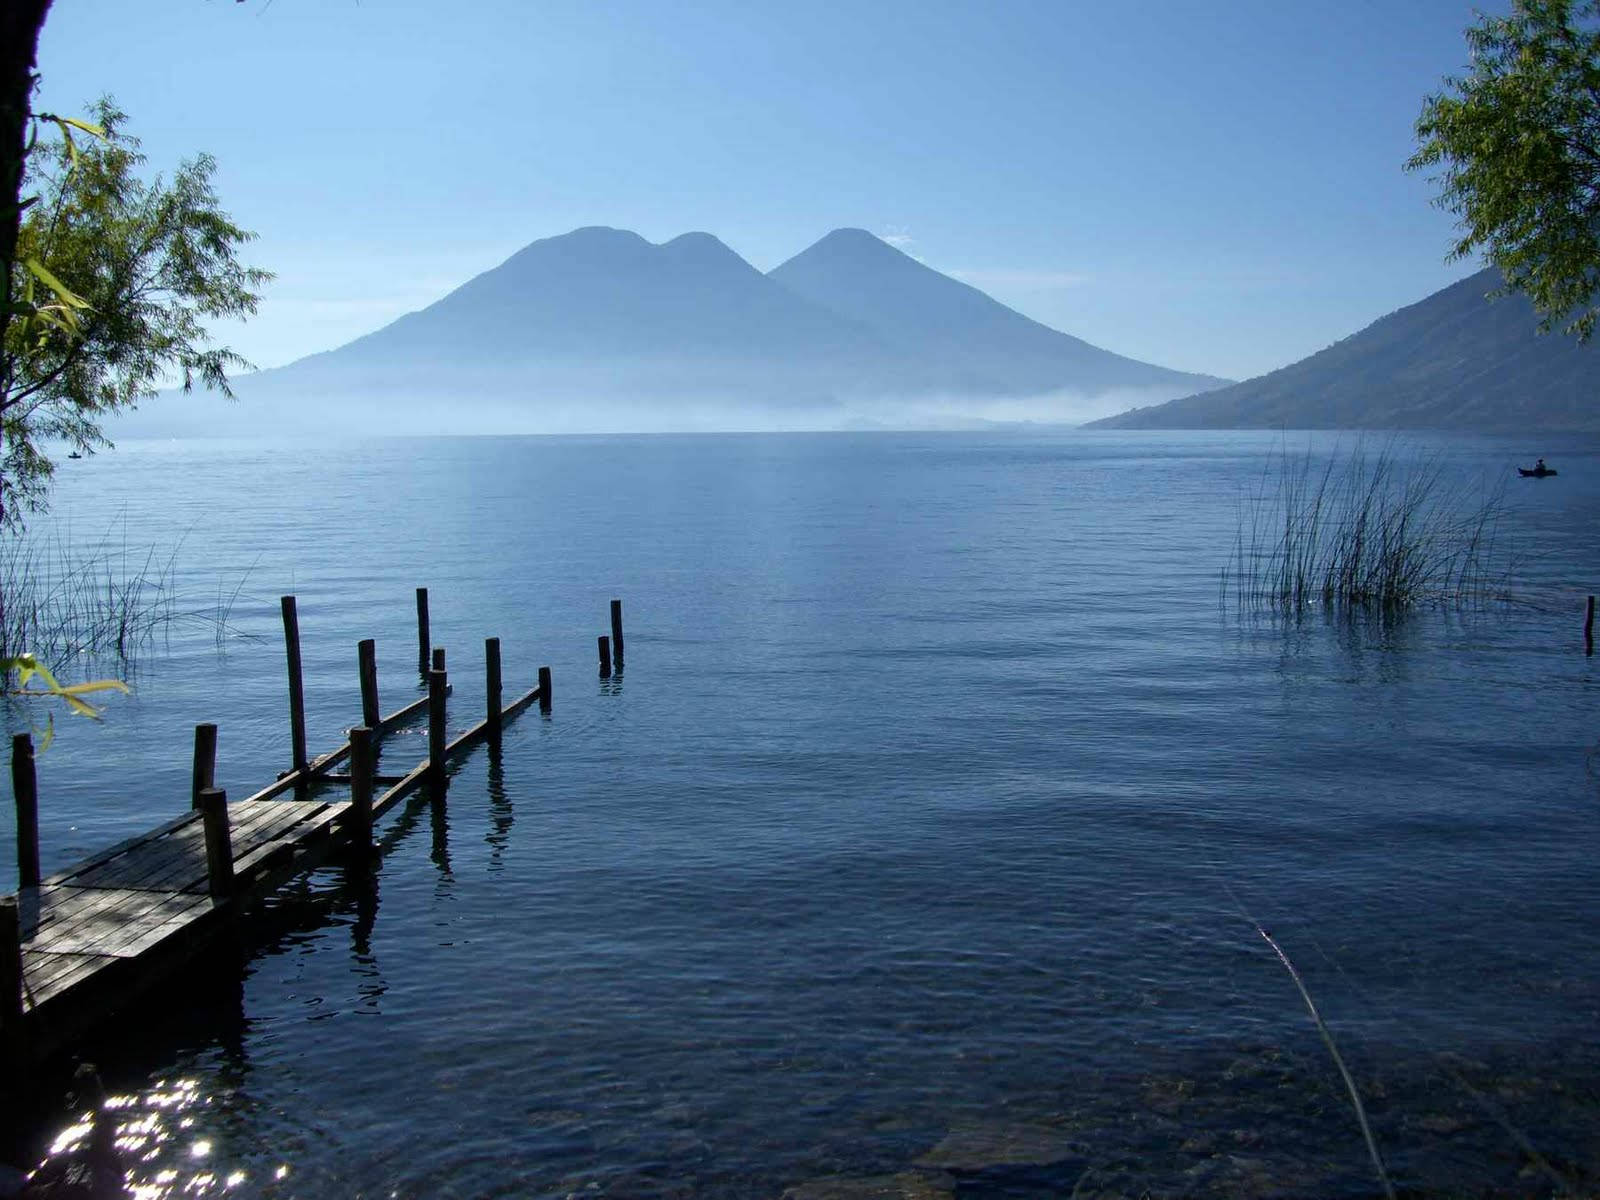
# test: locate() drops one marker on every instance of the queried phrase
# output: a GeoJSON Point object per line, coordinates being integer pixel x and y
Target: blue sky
{"type": "Point", "coordinates": [1214, 187]}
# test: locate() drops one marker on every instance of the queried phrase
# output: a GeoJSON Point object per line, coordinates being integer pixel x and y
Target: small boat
{"type": "Point", "coordinates": [1535, 472]}
{"type": "Point", "coordinates": [74, 454]}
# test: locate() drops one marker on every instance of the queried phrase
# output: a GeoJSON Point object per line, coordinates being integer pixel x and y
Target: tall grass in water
{"type": "Point", "coordinates": [1365, 531]}
{"type": "Point", "coordinates": [102, 600]}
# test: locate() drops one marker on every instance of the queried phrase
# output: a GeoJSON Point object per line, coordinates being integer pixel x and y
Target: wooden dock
{"type": "Point", "coordinates": [79, 944]}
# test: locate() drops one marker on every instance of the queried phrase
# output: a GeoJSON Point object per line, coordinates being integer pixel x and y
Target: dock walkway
{"type": "Point", "coordinates": [77, 945]}
{"type": "Point", "coordinates": [126, 902]}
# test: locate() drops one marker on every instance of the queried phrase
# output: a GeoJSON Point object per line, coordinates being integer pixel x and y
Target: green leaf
{"type": "Point", "coordinates": [25, 665]}
{"type": "Point", "coordinates": [97, 130]}
{"type": "Point", "coordinates": [82, 707]}
{"type": "Point", "coordinates": [28, 668]}
{"type": "Point", "coordinates": [97, 685]}
{"type": "Point", "coordinates": [62, 291]}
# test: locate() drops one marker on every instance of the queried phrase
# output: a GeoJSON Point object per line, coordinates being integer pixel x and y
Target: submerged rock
{"type": "Point", "coordinates": [987, 1144]}
{"type": "Point", "coordinates": [907, 1185]}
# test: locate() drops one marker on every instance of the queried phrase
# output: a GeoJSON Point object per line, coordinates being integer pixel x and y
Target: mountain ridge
{"type": "Point", "coordinates": [1454, 360]}
{"type": "Point", "coordinates": [601, 326]}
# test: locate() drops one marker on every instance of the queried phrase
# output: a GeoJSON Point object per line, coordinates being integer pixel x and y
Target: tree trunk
{"type": "Point", "coordinates": [20, 22]}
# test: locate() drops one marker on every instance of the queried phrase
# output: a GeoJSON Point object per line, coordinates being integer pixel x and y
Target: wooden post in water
{"type": "Point", "coordinates": [297, 696]}
{"type": "Point", "coordinates": [438, 658]}
{"type": "Point", "coordinates": [359, 825]}
{"type": "Point", "coordinates": [436, 742]}
{"type": "Point", "coordinates": [544, 689]}
{"type": "Point", "coordinates": [616, 633]}
{"type": "Point", "coordinates": [25, 787]}
{"type": "Point", "coordinates": [605, 656]}
{"type": "Point", "coordinates": [10, 965]}
{"type": "Point", "coordinates": [491, 671]}
{"type": "Point", "coordinates": [205, 762]}
{"type": "Point", "coordinates": [367, 666]}
{"type": "Point", "coordinates": [1588, 629]}
{"type": "Point", "coordinates": [423, 641]}
{"type": "Point", "coordinates": [219, 842]}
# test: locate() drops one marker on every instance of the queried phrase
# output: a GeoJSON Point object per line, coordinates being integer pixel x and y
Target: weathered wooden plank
{"type": "Point", "coordinates": [270, 820]}
{"type": "Point", "coordinates": [42, 969]}
{"type": "Point", "coordinates": [419, 775]}
{"type": "Point", "coordinates": [135, 937]}
{"type": "Point", "coordinates": [321, 765]}
{"type": "Point", "coordinates": [105, 920]}
{"type": "Point", "coordinates": [147, 864]}
{"type": "Point", "coordinates": [177, 914]}
{"type": "Point", "coordinates": [83, 914]}
{"type": "Point", "coordinates": [307, 816]}
{"type": "Point", "coordinates": [262, 860]}
{"type": "Point", "coordinates": [111, 852]}
{"type": "Point", "coordinates": [51, 975]}
{"type": "Point", "coordinates": [48, 907]}
{"type": "Point", "coordinates": [410, 783]}
{"type": "Point", "coordinates": [175, 858]}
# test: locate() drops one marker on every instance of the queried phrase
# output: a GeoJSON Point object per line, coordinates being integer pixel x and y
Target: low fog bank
{"type": "Point", "coordinates": [480, 403]}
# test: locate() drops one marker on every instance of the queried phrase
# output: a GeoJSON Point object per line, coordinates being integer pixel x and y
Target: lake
{"type": "Point", "coordinates": [922, 848]}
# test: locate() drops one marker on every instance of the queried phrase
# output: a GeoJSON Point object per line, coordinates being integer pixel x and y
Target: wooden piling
{"type": "Point", "coordinates": [436, 730]}
{"type": "Point", "coordinates": [1588, 628]}
{"type": "Point", "coordinates": [616, 633]}
{"type": "Point", "coordinates": [367, 665]}
{"type": "Point", "coordinates": [114, 924]}
{"type": "Point", "coordinates": [10, 965]}
{"type": "Point", "coordinates": [219, 842]}
{"type": "Point", "coordinates": [25, 787]}
{"type": "Point", "coordinates": [297, 697]}
{"type": "Point", "coordinates": [424, 643]}
{"type": "Point", "coordinates": [205, 762]}
{"type": "Point", "coordinates": [359, 823]}
{"type": "Point", "coordinates": [605, 656]}
{"type": "Point", "coordinates": [491, 670]}
{"type": "Point", "coordinates": [438, 658]}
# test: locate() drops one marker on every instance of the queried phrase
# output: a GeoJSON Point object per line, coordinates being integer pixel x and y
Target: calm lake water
{"type": "Point", "coordinates": [916, 852]}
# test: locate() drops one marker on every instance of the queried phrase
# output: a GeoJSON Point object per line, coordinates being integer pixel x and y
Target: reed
{"type": "Point", "coordinates": [63, 600]}
{"type": "Point", "coordinates": [1365, 531]}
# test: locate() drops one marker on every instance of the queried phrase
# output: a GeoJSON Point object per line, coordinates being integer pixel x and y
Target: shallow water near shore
{"type": "Point", "coordinates": [916, 850]}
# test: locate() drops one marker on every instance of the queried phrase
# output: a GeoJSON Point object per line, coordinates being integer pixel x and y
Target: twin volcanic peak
{"type": "Point", "coordinates": [608, 296]}
{"type": "Point", "coordinates": [634, 334]}
{"type": "Point", "coordinates": [851, 301]}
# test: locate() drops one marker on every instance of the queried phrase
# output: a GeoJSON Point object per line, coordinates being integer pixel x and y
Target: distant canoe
{"type": "Point", "coordinates": [1535, 472]}
{"type": "Point", "coordinates": [74, 454]}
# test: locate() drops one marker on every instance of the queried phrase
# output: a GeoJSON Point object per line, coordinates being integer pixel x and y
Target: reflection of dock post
{"type": "Point", "coordinates": [436, 743]}
{"type": "Point", "coordinates": [360, 823]}
{"type": "Point", "coordinates": [1588, 629]}
{"type": "Point", "coordinates": [205, 763]}
{"type": "Point", "coordinates": [25, 787]}
{"type": "Point", "coordinates": [297, 696]}
{"type": "Point", "coordinates": [423, 642]}
{"type": "Point", "coordinates": [367, 660]}
{"type": "Point", "coordinates": [544, 689]}
{"type": "Point", "coordinates": [491, 674]}
{"type": "Point", "coordinates": [10, 965]}
{"type": "Point", "coordinates": [605, 657]}
{"type": "Point", "coordinates": [616, 633]}
{"type": "Point", "coordinates": [219, 842]}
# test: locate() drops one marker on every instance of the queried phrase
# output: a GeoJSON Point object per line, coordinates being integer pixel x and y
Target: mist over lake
{"type": "Point", "coordinates": [925, 835]}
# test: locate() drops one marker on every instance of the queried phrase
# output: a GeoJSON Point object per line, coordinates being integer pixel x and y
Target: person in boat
{"type": "Point", "coordinates": [1540, 467]}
